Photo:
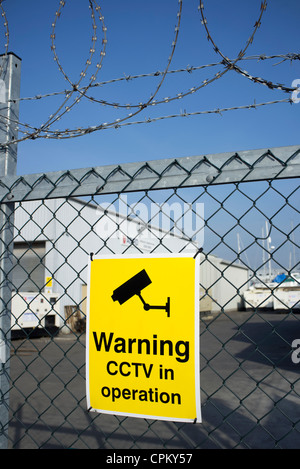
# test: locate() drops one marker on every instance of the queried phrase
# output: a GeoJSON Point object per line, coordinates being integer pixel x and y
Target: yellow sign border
{"type": "Point", "coordinates": [196, 351]}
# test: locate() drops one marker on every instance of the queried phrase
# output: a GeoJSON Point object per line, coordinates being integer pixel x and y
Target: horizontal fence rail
{"type": "Point", "coordinates": [251, 165]}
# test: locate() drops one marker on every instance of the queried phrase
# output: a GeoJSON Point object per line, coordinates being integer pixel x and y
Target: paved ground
{"type": "Point", "coordinates": [250, 392]}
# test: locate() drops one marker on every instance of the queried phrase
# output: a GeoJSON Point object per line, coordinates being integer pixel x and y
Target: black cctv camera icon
{"type": "Point", "coordinates": [134, 286]}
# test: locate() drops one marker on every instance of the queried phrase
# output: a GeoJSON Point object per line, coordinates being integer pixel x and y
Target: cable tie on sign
{"type": "Point", "coordinates": [198, 252]}
{"type": "Point", "coordinates": [91, 256]}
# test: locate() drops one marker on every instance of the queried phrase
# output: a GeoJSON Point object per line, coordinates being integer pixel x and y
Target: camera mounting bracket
{"type": "Point", "coordinates": [147, 306]}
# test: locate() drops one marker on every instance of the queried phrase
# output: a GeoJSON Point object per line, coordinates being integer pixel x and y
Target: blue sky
{"type": "Point", "coordinates": [139, 41]}
{"type": "Point", "coordinates": [139, 38]}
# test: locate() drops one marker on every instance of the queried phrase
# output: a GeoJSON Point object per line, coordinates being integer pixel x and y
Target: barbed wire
{"type": "Point", "coordinates": [77, 92]}
{"type": "Point", "coordinates": [232, 64]}
{"type": "Point", "coordinates": [38, 132]}
{"type": "Point", "coordinates": [148, 120]}
{"type": "Point", "coordinates": [188, 69]}
{"type": "Point", "coordinates": [56, 134]}
{"type": "Point", "coordinates": [196, 88]}
{"type": "Point", "coordinates": [93, 6]}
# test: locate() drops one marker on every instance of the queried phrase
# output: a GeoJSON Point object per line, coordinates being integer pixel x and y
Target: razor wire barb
{"type": "Point", "coordinates": [76, 92]}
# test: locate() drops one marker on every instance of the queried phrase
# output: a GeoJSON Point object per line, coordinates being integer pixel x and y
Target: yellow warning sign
{"type": "Point", "coordinates": [143, 337]}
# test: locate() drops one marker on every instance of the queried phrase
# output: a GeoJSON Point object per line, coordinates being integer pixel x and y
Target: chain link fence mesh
{"type": "Point", "coordinates": [249, 234]}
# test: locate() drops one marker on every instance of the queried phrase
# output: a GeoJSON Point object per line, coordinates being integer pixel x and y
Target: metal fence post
{"type": "Point", "coordinates": [10, 73]}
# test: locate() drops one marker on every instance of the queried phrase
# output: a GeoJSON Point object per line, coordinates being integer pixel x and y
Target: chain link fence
{"type": "Point", "coordinates": [241, 210]}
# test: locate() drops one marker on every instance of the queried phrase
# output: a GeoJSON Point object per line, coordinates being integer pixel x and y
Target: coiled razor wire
{"type": "Point", "coordinates": [76, 92]}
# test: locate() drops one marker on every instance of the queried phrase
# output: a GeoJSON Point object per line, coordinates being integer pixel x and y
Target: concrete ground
{"type": "Point", "coordinates": [250, 392]}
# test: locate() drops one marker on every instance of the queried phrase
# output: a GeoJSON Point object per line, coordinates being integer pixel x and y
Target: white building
{"type": "Point", "coordinates": [54, 239]}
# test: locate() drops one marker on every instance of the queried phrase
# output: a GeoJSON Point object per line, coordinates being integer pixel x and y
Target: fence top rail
{"type": "Point", "coordinates": [220, 168]}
